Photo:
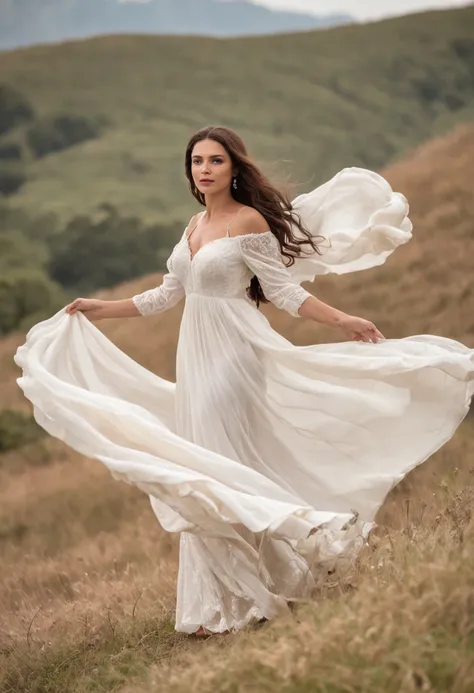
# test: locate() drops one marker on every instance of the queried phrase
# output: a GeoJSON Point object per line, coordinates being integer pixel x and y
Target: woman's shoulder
{"type": "Point", "coordinates": [193, 221]}
{"type": "Point", "coordinates": [249, 221]}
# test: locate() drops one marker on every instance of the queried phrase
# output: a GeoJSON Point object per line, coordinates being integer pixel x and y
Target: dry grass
{"type": "Point", "coordinates": [96, 615]}
{"type": "Point", "coordinates": [402, 622]}
{"type": "Point", "coordinates": [88, 578]}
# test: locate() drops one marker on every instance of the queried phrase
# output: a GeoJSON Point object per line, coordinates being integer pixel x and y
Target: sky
{"type": "Point", "coordinates": [361, 9]}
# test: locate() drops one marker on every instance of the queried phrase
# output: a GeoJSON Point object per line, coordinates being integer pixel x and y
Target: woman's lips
{"type": "Point", "coordinates": [206, 182]}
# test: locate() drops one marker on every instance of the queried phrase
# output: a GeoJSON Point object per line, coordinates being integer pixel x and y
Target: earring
{"type": "Point", "coordinates": [235, 183]}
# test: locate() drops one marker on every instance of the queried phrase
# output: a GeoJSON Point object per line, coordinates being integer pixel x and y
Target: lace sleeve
{"type": "Point", "coordinates": [261, 253]}
{"type": "Point", "coordinates": [163, 297]}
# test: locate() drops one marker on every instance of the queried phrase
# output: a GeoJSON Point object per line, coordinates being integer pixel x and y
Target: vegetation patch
{"type": "Point", "coordinates": [17, 429]}
{"type": "Point", "coordinates": [98, 253]}
{"type": "Point", "coordinates": [102, 659]}
{"type": "Point", "coordinates": [58, 132]}
{"type": "Point", "coordinates": [15, 109]}
{"type": "Point", "coordinates": [12, 178]}
{"type": "Point", "coordinates": [10, 151]}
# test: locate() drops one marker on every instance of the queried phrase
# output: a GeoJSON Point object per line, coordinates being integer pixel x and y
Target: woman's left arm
{"type": "Point", "coordinates": [262, 254]}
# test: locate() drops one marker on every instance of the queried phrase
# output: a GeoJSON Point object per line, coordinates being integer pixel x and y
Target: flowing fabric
{"type": "Point", "coordinates": [271, 460]}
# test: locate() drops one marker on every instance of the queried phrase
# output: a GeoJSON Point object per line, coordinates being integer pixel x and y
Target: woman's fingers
{"type": "Point", "coordinates": [363, 331]}
{"type": "Point", "coordinates": [74, 306]}
{"type": "Point", "coordinates": [374, 335]}
{"type": "Point", "coordinates": [371, 334]}
{"type": "Point", "coordinates": [379, 334]}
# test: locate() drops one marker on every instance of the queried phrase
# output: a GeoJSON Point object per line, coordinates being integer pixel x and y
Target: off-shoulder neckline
{"type": "Point", "coordinates": [192, 257]}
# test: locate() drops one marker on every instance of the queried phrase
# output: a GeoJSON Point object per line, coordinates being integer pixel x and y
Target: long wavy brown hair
{"type": "Point", "coordinates": [255, 190]}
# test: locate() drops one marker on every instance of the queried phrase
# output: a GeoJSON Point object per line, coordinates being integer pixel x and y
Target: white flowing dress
{"type": "Point", "coordinates": [271, 460]}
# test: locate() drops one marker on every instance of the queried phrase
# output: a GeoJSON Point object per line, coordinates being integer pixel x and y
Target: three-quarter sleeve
{"type": "Point", "coordinates": [262, 255]}
{"type": "Point", "coordinates": [164, 297]}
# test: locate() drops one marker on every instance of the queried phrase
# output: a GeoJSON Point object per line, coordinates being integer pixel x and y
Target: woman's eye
{"type": "Point", "coordinates": [198, 162]}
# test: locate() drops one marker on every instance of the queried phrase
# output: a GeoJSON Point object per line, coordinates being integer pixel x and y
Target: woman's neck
{"type": "Point", "coordinates": [222, 203]}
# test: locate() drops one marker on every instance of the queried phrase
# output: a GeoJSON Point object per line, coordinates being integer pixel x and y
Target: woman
{"type": "Point", "coordinates": [271, 460]}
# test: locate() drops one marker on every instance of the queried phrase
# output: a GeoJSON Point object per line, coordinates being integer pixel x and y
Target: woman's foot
{"type": "Point", "coordinates": [202, 632]}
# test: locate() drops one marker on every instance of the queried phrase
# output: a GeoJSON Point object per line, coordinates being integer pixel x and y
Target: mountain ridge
{"type": "Point", "coordinates": [25, 24]}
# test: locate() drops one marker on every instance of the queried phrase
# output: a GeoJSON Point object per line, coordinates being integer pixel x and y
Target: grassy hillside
{"type": "Point", "coordinates": [87, 586]}
{"type": "Point", "coordinates": [314, 103]}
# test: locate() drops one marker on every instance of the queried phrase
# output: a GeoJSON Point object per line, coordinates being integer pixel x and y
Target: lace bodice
{"type": "Point", "coordinates": [223, 268]}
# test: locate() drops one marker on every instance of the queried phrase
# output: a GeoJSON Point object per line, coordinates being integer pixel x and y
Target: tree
{"type": "Point", "coordinates": [14, 109]}
{"type": "Point", "coordinates": [55, 133]}
{"type": "Point", "coordinates": [10, 151]}
{"type": "Point", "coordinates": [12, 178]}
{"type": "Point", "coordinates": [16, 252]}
{"type": "Point", "coordinates": [91, 254]}
{"type": "Point", "coordinates": [26, 292]}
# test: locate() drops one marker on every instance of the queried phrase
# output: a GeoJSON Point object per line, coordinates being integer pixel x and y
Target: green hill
{"type": "Point", "coordinates": [318, 101]}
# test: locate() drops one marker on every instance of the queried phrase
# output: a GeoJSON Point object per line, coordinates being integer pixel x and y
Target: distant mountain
{"type": "Point", "coordinates": [26, 22]}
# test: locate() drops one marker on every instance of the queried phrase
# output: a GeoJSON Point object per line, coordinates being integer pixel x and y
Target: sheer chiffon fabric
{"type": "Point", "coordinates": [271, 460]}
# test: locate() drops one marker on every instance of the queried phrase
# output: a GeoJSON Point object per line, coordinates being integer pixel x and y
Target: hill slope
{"type": "Point", "coordinates": [425, 287]}
{"type": "Point", "coordinates": [28, 22]}
{"type": "Point", "coordinates": [355, 95]}
{"type": "Point", "coordinates": [91, 578]}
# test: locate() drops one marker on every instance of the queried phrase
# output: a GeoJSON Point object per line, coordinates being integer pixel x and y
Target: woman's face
{"type": "Point", "coordinates": [211, 167]}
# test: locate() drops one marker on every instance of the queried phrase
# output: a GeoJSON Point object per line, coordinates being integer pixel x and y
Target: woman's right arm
{"type": "Point", "coordinates": [165, 296]}
{"type": "Point", "coordinates": [94, 309]}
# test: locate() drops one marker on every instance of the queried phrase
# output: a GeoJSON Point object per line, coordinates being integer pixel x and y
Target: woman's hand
{"type": "Point", "coordinates": [356, 329]}
{"type": "Point", "coordinates": [92, 308]}
{"type": "Point", "coordinates": [360, 330]}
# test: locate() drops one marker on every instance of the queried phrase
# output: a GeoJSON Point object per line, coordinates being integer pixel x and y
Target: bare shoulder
{"type": "Point", "coordinates": [193, 221]}
{"type": "Point", "coordinates": [248, 221]}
